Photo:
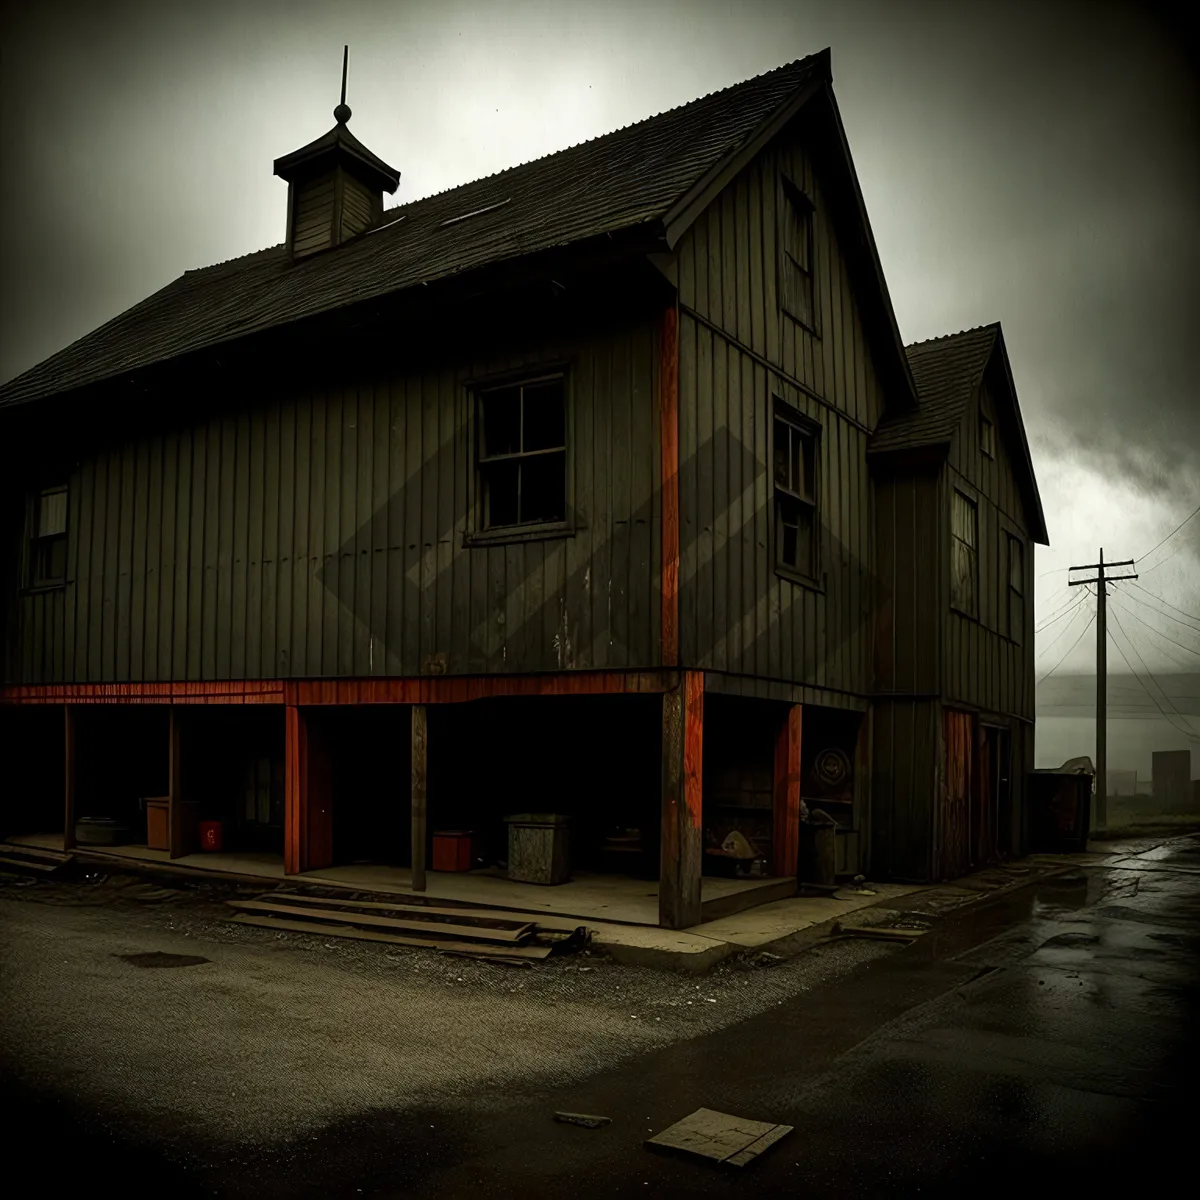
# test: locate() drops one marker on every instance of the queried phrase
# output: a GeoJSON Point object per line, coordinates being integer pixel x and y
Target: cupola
{"type": "Point", "coordinates": [335, 185]}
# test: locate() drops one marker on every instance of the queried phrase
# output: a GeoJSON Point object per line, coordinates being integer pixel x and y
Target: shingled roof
{"type": "Point", "coordinates": [619, 181]}
{"type": "Point", "coordinates": [947, 371]}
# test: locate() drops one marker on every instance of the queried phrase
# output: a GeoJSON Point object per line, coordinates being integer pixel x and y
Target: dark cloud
{"type": "Point", "coordinates": [1035, 164]}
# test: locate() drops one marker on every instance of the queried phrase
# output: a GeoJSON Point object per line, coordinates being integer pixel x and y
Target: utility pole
{"type": "Point", "coordinates": [1101, 814]}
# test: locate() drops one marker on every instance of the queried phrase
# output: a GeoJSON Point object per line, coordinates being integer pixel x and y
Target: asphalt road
{"type": "Point", "coordinates": [1045, 1040]}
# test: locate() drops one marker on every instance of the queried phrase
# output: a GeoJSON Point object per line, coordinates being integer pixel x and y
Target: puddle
{"type": "Point", "coordinates": [156, 958]}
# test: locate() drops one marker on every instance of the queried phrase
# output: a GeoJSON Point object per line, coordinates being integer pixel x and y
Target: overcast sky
{"type": "Point", "coordinates": [1030, 163]}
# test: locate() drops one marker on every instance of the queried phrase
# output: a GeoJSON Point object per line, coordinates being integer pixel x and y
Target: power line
{"type": "Point", "coordinates": [1157, 597]}
{"type": "Point", "coordinates": [1060, 635]}
{"type": "Point", "coordinates": [1170, 535]}
{"type": "Point", "coordinates": [1130, 613]}
{"type": "Point", "coordinates": [1159, 612]}
{"type": "Point", "coordinates": [1091, 621]}
{"type": "Point", "coordinates": [1062, 613]}
{"type": "Point", "coordinates": [1162, 561]}
{"type": "Point", "coordinates": [1190, 733]}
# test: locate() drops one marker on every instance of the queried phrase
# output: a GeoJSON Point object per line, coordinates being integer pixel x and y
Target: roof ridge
{"type": "Point", "coordinates": [600, 137]}
{"type": "Point", "coordinates": [946, 337]}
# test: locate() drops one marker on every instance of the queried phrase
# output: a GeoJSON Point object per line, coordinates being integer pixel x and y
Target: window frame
{"type": "Point", "coordinates": [1016, 628]}
{"type": "Point", "coordinates": [956, 495]}
{"type": "Point", "coordinates": [797, 212]}
{"type": "Point", "coordinates": [987, 445]}
{"type": "Point", "coordinates": [783, 413]}
{"type": "Point", "coordinates": [478, 532]}
{"type": "Point", "coordinates": [37, 542]}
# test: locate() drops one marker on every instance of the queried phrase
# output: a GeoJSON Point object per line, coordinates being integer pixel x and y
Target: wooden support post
{"type": "Point", "coordinates": [679, 904]}
{"type": "Point", "coordinates": [295, 788]}
{"type": "Point", "coordinates": [181, 831]}
{"type": "Point", "coordinates": [69, 733]}
{"type": "Point", "coordinates": [786, 840]}
{"type": "Point", "coordinates": [420, 766]}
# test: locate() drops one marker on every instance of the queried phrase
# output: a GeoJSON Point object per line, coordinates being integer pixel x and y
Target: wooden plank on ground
{"type": "Point", "coordinates": [467, 915]}
{"type": "Point", "coordinates": [394, 939]}
{"type": "Point", "coordinates": [719, 1136]}
{"type": "Point", "coordinates": [474, 932]}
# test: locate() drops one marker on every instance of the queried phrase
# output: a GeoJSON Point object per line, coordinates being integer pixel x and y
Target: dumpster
{"type": "Point", "coordinates": [1060, 811]}
{"type": "Point", "coordinates": [539, 847]}
{"type": "Point", "coordinates": [818, 849]}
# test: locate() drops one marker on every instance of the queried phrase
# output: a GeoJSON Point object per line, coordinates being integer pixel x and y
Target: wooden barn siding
{"type": "Point", "coordinates": [906, 738]}
{"type": "Point", "coordinates": [909, 567]}
{"type": "Point", "coordinates": [320, 534]}
{"type": "Point", "coordinates": [983, 666]}
{"type": "Point", "coordinates": [736, 614]}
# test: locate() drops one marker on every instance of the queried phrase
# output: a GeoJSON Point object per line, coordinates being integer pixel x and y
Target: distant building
{"type": "Point", "coordinates": [1122, 783]}
{"type": "Point", "coordinates": [1172, 779]}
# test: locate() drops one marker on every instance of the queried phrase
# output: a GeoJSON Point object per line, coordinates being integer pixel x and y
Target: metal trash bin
{"type": "Point", "coordinates": [539, 847]}
{"type": "Point", "coordinates": [818, 849]}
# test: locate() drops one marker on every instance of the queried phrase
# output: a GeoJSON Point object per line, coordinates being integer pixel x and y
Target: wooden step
{"type": "Point", "coordinates": [483, 917]}
{"type": "Point", "coordinates": [28, 864]}
{"type": "Point", "coordinates": [432, 928]}
{"type": "Point", "coordinates": [448, 945]}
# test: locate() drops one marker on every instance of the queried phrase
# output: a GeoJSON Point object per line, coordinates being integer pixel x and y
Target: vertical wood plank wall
{"type": "Point", "coordinates": [737, 614]}
{"type": "Point", "coordinates": [321, 533]}
{"type": "Point", "coordinates": [983, 666]}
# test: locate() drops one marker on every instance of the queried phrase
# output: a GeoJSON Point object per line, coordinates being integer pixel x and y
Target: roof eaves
{"type": "Point", "coordinates": [684, 212]}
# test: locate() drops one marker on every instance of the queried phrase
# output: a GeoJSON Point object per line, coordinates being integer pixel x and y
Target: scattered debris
{"type": "Point", "coordinates": [585, 1119]}
{"type": "Point", "coordinates": [886, 933]}
{"type": "Point", "coordinates": [734, 1141]}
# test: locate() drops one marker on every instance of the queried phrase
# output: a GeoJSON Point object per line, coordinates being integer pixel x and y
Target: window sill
{"type": "Point", "coordinates": [515, 534]}
{"type": "Point", "coordinates": [38, 589]}
{"type": "Point", "coordinates": [804, 581]}
{"type": "Point", "coordinates": [813, 328]}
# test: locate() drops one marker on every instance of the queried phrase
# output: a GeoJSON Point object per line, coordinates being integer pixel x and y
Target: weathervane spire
{"type": "Point", "coordinates": [341, 114]}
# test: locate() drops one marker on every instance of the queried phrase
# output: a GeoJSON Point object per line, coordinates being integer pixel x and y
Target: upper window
{"type": "Point", "coordinates": [964, 573]}
{"type": "Point", "coordinates": [48, 549]}
{"type": "Point", "coordinates": [987, 435]}
{"type": "Point", "coordinates": [795, 465]}
{"type": "Point", "coordinates": [796, 269]}
{"type": "Point", "coordinates": [523, 453]}
{"type": "Point", "coordinates": [1016, 588]}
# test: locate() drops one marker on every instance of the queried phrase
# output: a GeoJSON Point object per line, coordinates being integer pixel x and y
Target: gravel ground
{"type": "Point", "coordinates": [279, 1034]}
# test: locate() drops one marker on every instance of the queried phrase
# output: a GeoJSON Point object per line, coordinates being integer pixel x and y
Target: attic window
{"type": "Point", "coordinates": [523, 453]}
{"type": "Point", "coordinates": [796, 259]}
{"type": "Point", "coordinates": [478, 212]}
{"type": "Point", "coordinates": [987, 435]}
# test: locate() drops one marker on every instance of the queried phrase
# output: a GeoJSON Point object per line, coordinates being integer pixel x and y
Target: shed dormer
{"type": "Point", "coordinates": [335, 187]}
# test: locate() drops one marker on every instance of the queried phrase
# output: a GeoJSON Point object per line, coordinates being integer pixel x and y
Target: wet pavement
{"type": "Point", "coordinates": [1044, 1039]}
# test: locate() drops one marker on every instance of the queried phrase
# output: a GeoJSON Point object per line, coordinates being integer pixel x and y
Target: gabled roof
{"type": "Point", "coordinates": [949, 372]}
{"type": "Point", "coordinates": [636, 177]}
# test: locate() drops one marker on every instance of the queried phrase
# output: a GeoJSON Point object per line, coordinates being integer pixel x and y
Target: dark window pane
{"type": "Point", "coordinates": [788, 549]}
{"type": "Point", "coordinates": [1016, 573]}
{"type": "Point", "coordinates": [51, 560]}
{"type": "Point", "coordinates": [544, 417]}
{"type": "Point", "coordinates": [543, 488]}
{"type": "Point", "coordinates": [52, 513]}
{"type": "Point", "coordinates": [501, 422]}
{"type": "Point", "coordinates": [804, 541]}
{"type": "Point", "coordinates": [782, 438]}
{"type": "Point", "coordinates": [500, 493]}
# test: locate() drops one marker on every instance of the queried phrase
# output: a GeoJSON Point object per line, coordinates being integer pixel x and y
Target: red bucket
{"type": "Point", "coordinates": [210, 835]}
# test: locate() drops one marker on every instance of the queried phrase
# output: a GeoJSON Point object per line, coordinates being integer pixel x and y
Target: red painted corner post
{"type": "Point", "coordinates": [679, 902]}
{"type": "Point", "coordinates": [295, 790]}
{"type": "Point", "coordinates": [786, 842]}
{"type": "Point", "coordinates": [308, 795]}
{"type": "Point", "coordinates": [420, 744]}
